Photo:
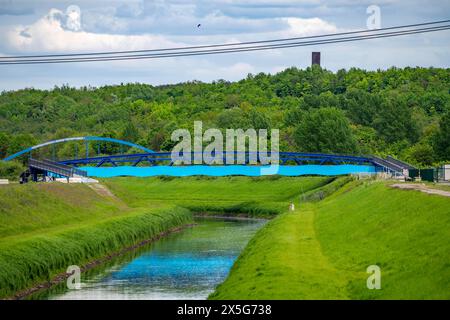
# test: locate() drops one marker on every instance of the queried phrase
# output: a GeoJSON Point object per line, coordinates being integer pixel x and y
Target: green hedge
{"type": "Point", "coordinates": [10, 170]}
{"type": "Point", "coordinates": [248, 209]}
{"type": "Point", "coordinates": [326, 190]}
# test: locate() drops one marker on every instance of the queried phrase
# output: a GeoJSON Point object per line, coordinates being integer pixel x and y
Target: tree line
{"type": "Point", "coordinates": [400, 112]}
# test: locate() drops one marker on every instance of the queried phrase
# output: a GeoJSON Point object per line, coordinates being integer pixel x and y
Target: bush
{"type": "Point", "coordinates": [325, 130]}
{"type": "Point", "coordinates": [11, 170]}
{"type": "Point", "coordinates": [421, 155]}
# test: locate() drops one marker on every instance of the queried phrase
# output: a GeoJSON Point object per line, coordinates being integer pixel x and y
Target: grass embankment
{"type": "Point", "coordinates": [44, 228]}
{"type": "Point", "coordinates": [322, 250]}
{"type": "Point", "coordinates": [261, 197]}
{"type": "Point", "coordinates": [36, 207]}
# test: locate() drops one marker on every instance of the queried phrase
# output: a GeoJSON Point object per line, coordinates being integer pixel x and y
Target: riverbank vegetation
{"type": "Point", "coordinates": [44, 228]}
{"type": "Point", "coordinates": [254, 197]}
{"type": "Point", "coordinates": [339, 227]}
{"type": "Point", "coordinates": [401, 112]}
{"type": "Point", "coordinates": [322, 250]}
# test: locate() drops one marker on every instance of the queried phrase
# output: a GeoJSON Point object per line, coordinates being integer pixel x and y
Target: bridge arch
{"type": "Point", "coordinates": [87, 139]}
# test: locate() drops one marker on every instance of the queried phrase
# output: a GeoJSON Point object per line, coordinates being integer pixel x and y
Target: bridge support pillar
{"type": "Point", "coordinates": [34, 176]}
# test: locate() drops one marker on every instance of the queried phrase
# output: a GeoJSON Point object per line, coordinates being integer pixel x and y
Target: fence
{"type": "Point", "coordinates": [440, 174]}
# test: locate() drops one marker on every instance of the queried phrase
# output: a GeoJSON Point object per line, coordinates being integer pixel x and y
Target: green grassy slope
{"type": "Point", "coordinates": [46, 227]}
{"type": "Point", "coordinates": [262, 196]}
{"type": "Point", "coordinates": [32, 260]}
{"type": "Point", "coordinates": [283, 261]}
{"type": "Point", "coordinates": [405, 233]}
{"type": "Point", "coordinates": [33, 207]}
{"type": "Point", "coordinates": [322, 250]}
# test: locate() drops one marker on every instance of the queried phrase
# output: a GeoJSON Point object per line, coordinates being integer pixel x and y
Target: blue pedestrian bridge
{"type": "Point", "coordinates": [146, 162]}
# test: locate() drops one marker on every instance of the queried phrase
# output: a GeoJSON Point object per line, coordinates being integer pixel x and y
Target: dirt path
{"type": "Point", "coordinates": [422, 188]}
{"type": "Point", "coordinates": [105, 192]}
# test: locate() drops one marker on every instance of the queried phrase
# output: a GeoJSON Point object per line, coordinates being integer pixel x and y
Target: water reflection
{"type": "Point", "coordinates": [184, 265]}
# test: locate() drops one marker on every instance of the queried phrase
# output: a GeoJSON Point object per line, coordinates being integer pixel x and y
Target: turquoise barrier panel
{"type": "Point", "coordinates": [252, 171]}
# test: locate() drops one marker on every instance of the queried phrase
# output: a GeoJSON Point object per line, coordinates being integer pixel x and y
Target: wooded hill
{"type": "Point", "coordinates": [401, 112]}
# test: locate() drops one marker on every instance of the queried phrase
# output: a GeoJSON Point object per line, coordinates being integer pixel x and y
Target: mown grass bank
{"type": "Point", "coordinates": [46, 228]}
{"type": "Point", "coordinates": [255, 197]}
{"type": "Point", "coordinates": [29, 208]}
{"type": "Point", "coordinates": [322, 250]}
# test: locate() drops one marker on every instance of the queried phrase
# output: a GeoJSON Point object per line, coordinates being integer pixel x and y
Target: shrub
{"type": "Point", "coordinates": [11, 170]}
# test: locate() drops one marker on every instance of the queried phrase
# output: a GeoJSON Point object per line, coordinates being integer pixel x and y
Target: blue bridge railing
{"type": "Point", "coordinates": [296, 158]}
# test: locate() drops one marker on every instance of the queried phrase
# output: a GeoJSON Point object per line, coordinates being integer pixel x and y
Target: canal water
{"type": "Point", "coordinates": [185, 265]}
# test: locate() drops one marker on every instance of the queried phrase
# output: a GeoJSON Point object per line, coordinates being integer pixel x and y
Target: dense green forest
{"type": "Point", "coordinates": [401, 112]}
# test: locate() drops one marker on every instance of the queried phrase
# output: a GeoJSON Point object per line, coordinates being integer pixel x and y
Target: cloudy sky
{"type": "Point", "coordinates": [41, 27]}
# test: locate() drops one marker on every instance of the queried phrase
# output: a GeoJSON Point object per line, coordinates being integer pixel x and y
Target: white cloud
{"type": "Point", "coordinates": [60, 31]}
{"type": "Point", "coordinates": [306, 27]}
{"type": "Point", "coordinates": [50, 34]}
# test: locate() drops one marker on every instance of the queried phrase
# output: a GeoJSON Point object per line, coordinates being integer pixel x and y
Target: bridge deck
{"type": "Point", "coordinates": [47, 166]}
{"type": "Point", "coordinates": [163, 159]}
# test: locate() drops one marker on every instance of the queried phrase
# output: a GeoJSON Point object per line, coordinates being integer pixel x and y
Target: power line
{"type": "Point", "coordinates": [228, 50]}
{"type": "Point", "coordinates": [228, 44]}
{"type": "Point", "coordinates": [190, 53]}
{"type": "Point", "coordinates": [248, 48]}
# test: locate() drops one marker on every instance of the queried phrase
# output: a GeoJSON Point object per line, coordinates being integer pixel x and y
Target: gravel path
{"type": "Point", "coordinates": [421, 187]}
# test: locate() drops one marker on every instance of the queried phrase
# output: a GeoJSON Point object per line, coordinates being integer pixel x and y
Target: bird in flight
{"type": "Point", "coordinates": [198, 26]}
